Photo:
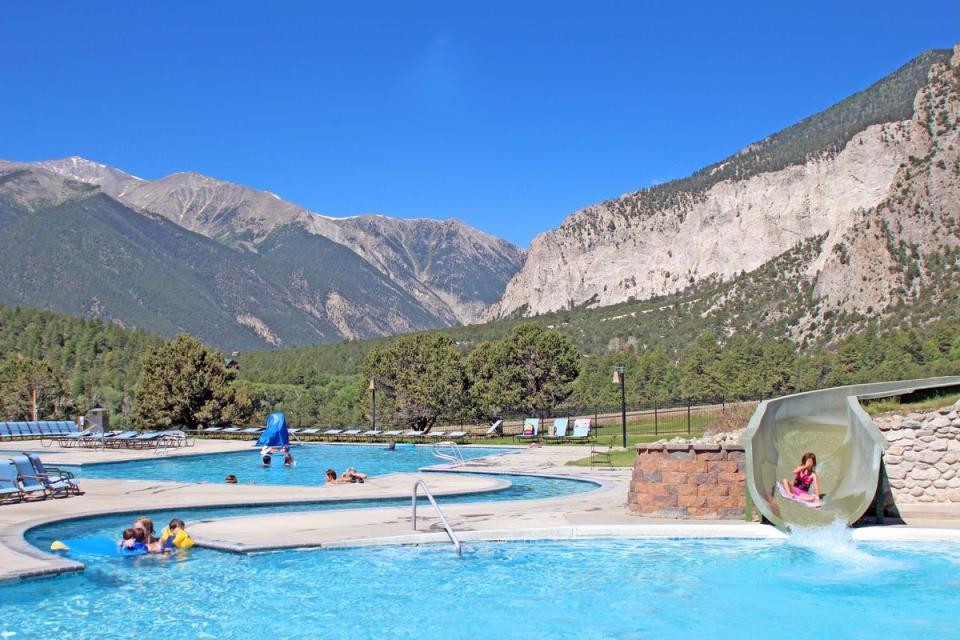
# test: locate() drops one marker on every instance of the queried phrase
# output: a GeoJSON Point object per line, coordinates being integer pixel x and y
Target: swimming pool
{"type": "Point", "coordinates": [311, 462]}
{"type": "Point", "coordinates": [522, 487]}
{"type": "Point", "coordinates": [583, 589]}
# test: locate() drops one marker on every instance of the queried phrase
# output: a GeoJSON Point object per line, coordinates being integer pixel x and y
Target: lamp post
{"type": "Point", "coordinates": [618, 375]}
{"type": "Point", "coordinates": [373, 389]}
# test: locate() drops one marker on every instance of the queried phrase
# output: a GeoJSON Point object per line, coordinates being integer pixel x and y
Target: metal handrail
{"type": "Point", "coordinates": [446, 525]}
{"type": "Point", "coordinates": [456, 457]}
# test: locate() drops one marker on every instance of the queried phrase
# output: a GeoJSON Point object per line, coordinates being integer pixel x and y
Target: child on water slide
{"type": "Point", "coordinates": [805, 486]}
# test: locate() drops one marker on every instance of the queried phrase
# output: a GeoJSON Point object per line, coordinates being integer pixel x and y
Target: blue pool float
{"type": "Point", "coordinates": [100, 546]}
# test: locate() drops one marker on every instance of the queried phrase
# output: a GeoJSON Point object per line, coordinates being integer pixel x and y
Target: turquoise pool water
{"type": "Point", "coordinates": [311, 462]}
{"type": "Point", "coordinates": [586, 589]}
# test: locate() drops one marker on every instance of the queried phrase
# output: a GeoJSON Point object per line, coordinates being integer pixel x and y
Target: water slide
{"type": "Point", "coordinates": [832, 424]}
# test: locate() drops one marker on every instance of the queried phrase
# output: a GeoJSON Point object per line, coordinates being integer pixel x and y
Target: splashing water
{"type": "Point", "coordinates": [834, 543]}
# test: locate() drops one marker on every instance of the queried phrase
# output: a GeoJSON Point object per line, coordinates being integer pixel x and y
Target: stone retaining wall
{"type": "Point", "coordinates": [923, 460]}
{"type": "Point", "coordinates": [695, 481]}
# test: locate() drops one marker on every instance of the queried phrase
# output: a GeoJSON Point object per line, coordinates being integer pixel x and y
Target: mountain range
{"type": "Point", "coordinates": [237, 267]}
{"type": "Point", "coordinates": [852, 212]}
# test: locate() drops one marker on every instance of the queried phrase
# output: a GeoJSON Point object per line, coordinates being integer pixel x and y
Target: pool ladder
{"type": "Point", "coordinates": [420, 484]}
{"type": "Point", "coordinates": [454, 456]}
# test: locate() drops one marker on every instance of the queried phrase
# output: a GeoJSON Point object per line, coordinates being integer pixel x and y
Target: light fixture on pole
{"type": "Point", "coordinates": [618, 377]}
{"type": "Point", "coordinates": [373, 414]}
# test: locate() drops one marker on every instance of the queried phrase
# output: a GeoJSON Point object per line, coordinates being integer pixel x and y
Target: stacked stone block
{"type": "Point", "coordinates": [688, 481]}
{"type": "Point", "coordinates": [923, 460]}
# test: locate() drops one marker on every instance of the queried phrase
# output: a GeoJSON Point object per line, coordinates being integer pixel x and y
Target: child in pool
{"type": "Point", "coordinates": [805, 486]}
{"type": "Point", "coordinates": [133, 540]}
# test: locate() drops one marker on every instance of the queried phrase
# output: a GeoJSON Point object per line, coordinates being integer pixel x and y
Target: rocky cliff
{"type": "Point", "coordinates": [875, 176]}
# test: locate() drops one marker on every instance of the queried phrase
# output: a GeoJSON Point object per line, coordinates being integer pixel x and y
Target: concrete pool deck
{"type": "Point", "coordinates": [600, 512]}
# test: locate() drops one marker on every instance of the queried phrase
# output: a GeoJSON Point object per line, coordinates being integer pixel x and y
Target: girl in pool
{"type": "Point", "coordinates": [805, 486]}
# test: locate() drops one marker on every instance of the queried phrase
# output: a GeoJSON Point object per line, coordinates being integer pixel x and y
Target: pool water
{"type": "Point", "coordinates": [582, 589]}
{"type": "Point", "coordinates": [311, 463]}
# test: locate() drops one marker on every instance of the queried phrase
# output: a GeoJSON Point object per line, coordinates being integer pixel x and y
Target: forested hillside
{"type": "Point", "coordinates": [96, 363]}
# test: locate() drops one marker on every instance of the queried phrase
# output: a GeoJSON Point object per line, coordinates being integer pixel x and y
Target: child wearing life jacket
{"type": "Point", "coordinates": [175, 536]}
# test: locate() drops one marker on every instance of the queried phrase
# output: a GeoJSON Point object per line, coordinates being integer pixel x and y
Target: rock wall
{"type": "Point", "coordinates": [688, 481]}
{"type": "Point", "coordinates": [923, 461]}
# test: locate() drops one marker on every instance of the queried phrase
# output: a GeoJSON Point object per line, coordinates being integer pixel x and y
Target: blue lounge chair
{"type": "Point", "coordinates": [312, 431]}
{"type": "Point", "coordinates": [332, 432]}
{"type": "Point", "coordinates": [495, 430]}
{"type": "Point", "coordinates": [372, 433]}
{"type": "Point", "coordinates": [250, 431]}
{"type": "Point", "coordinates": [71, 439]}
{"type": "Point", "coordinates": [121, 439]}
{"type": "Point", "coordinates": [456, 435]}
{"type": "Point", "coordinates": [351, 433]}
{"type": "Point", "coordinates": [393, 433]}
{"type": "Point", "coordinates": [531, 429]}
{"type": "Point", "coordinates": [144, 440]}
{"type": "Point", "coordinates": [231, 430]}
{"type": "Point", "coordinates": [9, 482]}
{"type": "Point", "coordinates": [30, 482]}
{"type": "Point", "coordinates": [581, 429]}
{"type": "Point", "coordinates": [559, 430]}
{"type": "Point", "coordinates": [212, 430]}
{"type": "Point", "coordinates": [57, 481]}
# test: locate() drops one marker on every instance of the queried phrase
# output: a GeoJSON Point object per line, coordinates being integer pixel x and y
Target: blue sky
{"type": "Point", "coordinates": [507, 115]}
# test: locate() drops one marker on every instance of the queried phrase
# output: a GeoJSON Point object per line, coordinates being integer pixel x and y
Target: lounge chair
{"type": "Point", "coordinates": [332, 432]}
{"type": "Point", "coordinates": [30, 482]}
{"type": "Point", "coordinates": [121, 439]}
{"type": "Point", "coordinates": [144, 440]}
{"type": "Point", "coordinates": [456, 435]}
{"type": "Point", "coordinates": [436, 434]}
{"type": "Point", "coordinates": [57, 481]}
{"type": "Point", "coordinates": [9, 482]}
{"type": "Point", "coordinates": [372, 433]}
{"type": "Point", "coordinates": [559, 429]}
{"type": "Point", "coordinates": [231, 430]}
{"type": "Point", "coordinates": [393, 433]}
{"type": "Point", "coordinates": [212, 430]}
{"type": "Point", "coordinates": [250, 430]}
{"type": "Point", "coordinates": [351, 433]}
{"type": "Point", "coordinates": [310, 432]}
{"type": "Point", "coordinates": [67, 440]}
{"type": "Point", "coordinates": [413, 433]}
{"type": "Point", "coordinates": [294, 431]}
{"type": "Point", "coordinates": [602, 455]}
{"type": "Point", "coordinates": [495, 430]}
{"type": "Point", "coordinates": [531, 429]}
{"type": "Point", "coordinates": [581, 429]}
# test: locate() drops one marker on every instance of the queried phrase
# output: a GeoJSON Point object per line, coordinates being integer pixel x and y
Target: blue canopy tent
{"type": "Point", "coordinates": [276, 434]}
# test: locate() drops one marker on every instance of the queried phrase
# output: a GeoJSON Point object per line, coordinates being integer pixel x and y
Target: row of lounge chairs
{"type": "Point", "coordinates": [582, 430]}
{"type": "Point", "coordinates": [158, 440]}
{"type": "Point", "coordinates": [36, 429]}
{"type": "Point", "coordinates": [355, 435]}
{"type": "Point", "coordinates": [25, 477]}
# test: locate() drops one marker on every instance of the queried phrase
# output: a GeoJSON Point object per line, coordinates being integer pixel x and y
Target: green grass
{"type": "Point", "coordinates": [926, 404]}
{"type": "Point", "coordinates": [637, 431]}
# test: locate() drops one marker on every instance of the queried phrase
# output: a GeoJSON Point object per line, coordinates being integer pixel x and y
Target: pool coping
{"type": "Point", "coordinates": [685, 531]}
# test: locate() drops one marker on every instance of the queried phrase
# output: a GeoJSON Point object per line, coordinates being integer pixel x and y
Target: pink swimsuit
{"type": "Point", "coordinates": [802, 482]}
